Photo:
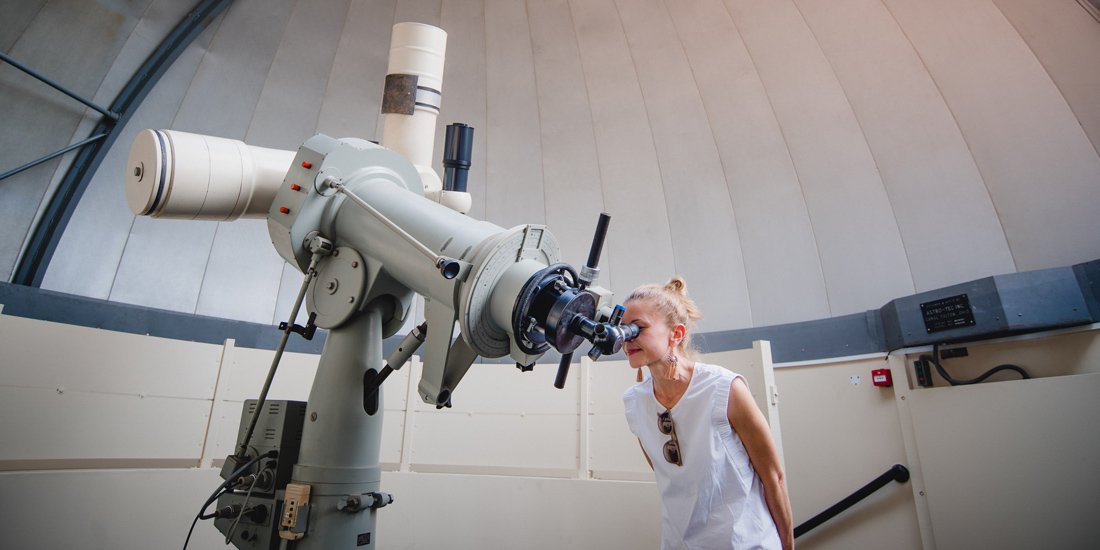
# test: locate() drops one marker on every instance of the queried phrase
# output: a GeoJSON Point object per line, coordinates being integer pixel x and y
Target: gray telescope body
{"type": "Point", "coordinates": [163, 182]}
{"type": "Point", "coordinates": [370, 225]}
{"type": "Point", "coordinates": [363, 292]}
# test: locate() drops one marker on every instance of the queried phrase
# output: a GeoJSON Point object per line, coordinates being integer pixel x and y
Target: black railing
{"type": "Point", "coordinates": [896, 473]}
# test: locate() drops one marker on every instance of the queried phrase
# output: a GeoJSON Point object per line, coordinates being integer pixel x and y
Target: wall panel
{"type": "Point", "coordinates": [102, 396]}
{"type": "Point", "coordinates": [243, 271]}
{"type": "Point", "coordinates": [613, 451]}
{"type": "Point", "coordinates": [495, 407]}
{"type": "Point", "coordinates": [487, 443]}
{"type": "Point", "coordinates": [163, 263]}
{"type": "Point", "coordinates": [39, 120]}
{"type": "Point", "coordinates": [497, 512]}
{"type": "Point", "coordinates": [353, 97]}
{"type": "Point", "coordinates": [241, 378]}
{"type": "Point", "coordinates": [109, 509]}
{"type": "Point", "coordinates": [421, 11]}
{"type": "Point", "coordinates": [229, 81]}
{"type": "Point", "coordinates": [839, 433]}
{"type": "Point", "coordinates": [44, 355]}
{"type": "Point", "coordinates": [477, 512]}
{"type": "Point", "coordinates": [862, 257]}
{"type": "Point", "coordinates": [1063, 38]}
{"type": "Point", "coordinates": [464, 87]}
{"type": "Point", "coordinates": [287, 110]}
{"type": "Point", "coordinates": [782, 266]}
{"type": "Point", "coordinates": [514, 192]}
{"type": "Point", "coordinates": [1039, 166]}
{"type": "Point", "coordinates": [696, 197]}
{"type": "Point", "coordinates": [991, 454]}
{"type": "Point", "coordinates": [17, 16]}
{"type": "Point", "coordinates": [639, 241]}
{"type": "Point", "coordinates": [231, 77]}
{"type": "Point", "coordinates": [500, 388]}
{"type": "Point", "coordinates": [72, 427]}
{"type": "Point", "coordinates": [570, 167]}
{"type": "Point", "coordinates": [947, 221]}
{"type": "Point", "coordinates": [88, 253]}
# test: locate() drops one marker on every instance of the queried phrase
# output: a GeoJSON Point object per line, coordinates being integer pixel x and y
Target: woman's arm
{"type": "Point", "coordinates": [749, 423]}
{"type": "Point", "coordinates": [646, 455]}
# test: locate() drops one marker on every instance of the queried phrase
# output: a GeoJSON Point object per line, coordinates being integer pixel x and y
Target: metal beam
{"type": "Point", "coordinates": [53, 155]}
{"type": "Point", "coordinates": [105, 112]}
{"type": "Point", "coordinates": [47, 232]}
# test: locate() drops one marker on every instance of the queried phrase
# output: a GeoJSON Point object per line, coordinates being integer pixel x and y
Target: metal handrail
{"type": "Point", "coordinates": [896, 473]}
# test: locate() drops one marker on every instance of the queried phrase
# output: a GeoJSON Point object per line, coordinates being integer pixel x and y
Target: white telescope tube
{"type": "Point", "coordinates": [417, 51]}
{"type": "Point", "coordinates": [179, 175]}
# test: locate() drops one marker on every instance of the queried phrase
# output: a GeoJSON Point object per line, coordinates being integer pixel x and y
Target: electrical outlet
{"type": "Point", "coordinates": [924, 373]}
{"type": "Point", "coordinates": [953, 352]}
{"type": "Point", "coordinates": [295, 516]}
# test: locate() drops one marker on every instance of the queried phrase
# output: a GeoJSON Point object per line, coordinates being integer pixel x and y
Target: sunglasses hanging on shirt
{"type": "Point", "coordinates": [671, 448]}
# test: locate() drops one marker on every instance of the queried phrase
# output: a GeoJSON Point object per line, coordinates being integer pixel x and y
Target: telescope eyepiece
{"type": "Point", "coordinates": [630, 331]}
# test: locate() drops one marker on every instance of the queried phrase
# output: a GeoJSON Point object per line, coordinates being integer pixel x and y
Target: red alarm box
{"type": "Point", "coordinates": [881, 378]}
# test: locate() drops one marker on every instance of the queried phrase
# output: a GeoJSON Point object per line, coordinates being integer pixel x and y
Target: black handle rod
{"type": "Point", "coordinates": [896, 473]}
{"type": "Point", "coordinates": [563, 370]}
{"type": "Point", "coordinates": [598, 239]}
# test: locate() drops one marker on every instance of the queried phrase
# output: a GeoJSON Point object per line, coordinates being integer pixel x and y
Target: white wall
{"type": "Point", "coordinates": [113, 441]}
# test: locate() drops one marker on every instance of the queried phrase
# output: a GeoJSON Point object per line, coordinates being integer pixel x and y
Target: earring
{"type": "Point", "coordinates": [639, 378]}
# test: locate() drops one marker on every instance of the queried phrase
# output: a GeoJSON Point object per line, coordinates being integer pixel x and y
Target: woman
{"type": "Point", "coordinates": [717, 468]}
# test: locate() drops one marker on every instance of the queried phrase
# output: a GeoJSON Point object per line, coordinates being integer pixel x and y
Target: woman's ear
{"type": "Point", "coordinates": [678, 332]}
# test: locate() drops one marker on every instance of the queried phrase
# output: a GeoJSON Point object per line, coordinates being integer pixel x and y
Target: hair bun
{"type": "Point", "coordinates": [676, 284]}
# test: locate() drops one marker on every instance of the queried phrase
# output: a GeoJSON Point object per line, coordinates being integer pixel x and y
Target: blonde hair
{"type": "Point", "coordinates": [672, 301]}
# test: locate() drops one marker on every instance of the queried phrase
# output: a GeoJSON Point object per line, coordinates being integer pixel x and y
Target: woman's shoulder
{"type": "Point", "coordinates": [714, 378]}
{"type": "Point", "coordinates": [639, 390]}
{"type": "Point", "coordinates": [708, 371]}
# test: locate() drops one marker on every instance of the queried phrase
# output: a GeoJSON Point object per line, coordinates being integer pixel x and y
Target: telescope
{"type": "Point", "coordinates": [370, 226]}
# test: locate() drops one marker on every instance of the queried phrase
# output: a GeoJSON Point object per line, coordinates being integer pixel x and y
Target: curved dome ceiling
{"type": "Point", "coordinates": [792, 159]}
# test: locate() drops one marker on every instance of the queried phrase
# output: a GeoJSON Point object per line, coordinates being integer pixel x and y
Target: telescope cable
{"type": "Point", "coordinates": [935, 359]}
{"type": "Point", "coordinates": [221, 489]}
{"type": "Point", "coordinates": [244, 509]}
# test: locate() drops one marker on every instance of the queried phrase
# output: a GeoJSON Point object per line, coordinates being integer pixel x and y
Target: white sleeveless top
{"type": "Point", "coordinates": [715, 500]}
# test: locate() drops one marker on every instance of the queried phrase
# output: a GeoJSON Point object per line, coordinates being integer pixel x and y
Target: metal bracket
{"type": "Point", "coordinates": [445, 363]}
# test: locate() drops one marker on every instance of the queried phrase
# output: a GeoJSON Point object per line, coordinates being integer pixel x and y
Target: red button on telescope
{"type": "Point", "coordinates": [284, 210]}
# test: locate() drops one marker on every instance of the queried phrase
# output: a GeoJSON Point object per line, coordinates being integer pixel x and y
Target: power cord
{"type": "Point", "coordinates": [935, 360]}
{"type": "Point", "coordinates": [222, 489]}
{"type": "Point", "coordinates": [244, 507]}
